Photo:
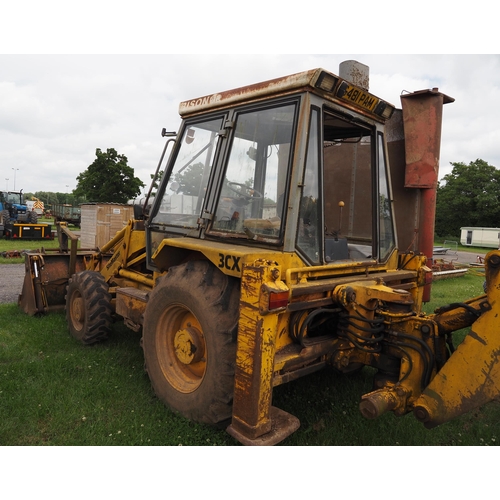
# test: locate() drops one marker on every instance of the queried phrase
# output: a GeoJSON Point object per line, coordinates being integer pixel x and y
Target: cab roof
{"type": "Point", "coordinates": [318, 81]}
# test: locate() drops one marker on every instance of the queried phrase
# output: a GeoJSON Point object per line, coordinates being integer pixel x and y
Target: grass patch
{"type": "Point", "coordinates": [22, 246]}
{"type": "Point", "coordinates": [53, 391]}
{"type": "Point", "coordinates": [455, 289]}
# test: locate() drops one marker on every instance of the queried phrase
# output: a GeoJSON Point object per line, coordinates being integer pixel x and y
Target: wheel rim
{"type": "Point", "coordinates": [77, 311]}
{"type": "Point", "coordinates": [181, 348]}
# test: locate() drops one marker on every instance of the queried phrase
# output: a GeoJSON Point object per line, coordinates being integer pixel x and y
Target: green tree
{"type": "Point", "coordinates": [155, 181]}
{"type": "Point", "coordinates": [468, 196]}
{"type": "Point", "coordinates": [190, 180]}
{"type": "Point", "coordinates": [108, 179]}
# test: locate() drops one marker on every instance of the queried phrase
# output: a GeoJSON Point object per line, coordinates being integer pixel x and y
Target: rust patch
{"type": "Point", "coordinates": [277, 86]}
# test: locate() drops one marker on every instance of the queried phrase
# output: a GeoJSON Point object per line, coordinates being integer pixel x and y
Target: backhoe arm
{"type": "Point", "coordinates": [471, 377]}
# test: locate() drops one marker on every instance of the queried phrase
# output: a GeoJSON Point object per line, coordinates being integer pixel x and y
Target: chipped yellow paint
{"type": "Point", "coordinates": [471, 377]}
{"type": "Point", "coordinates": [230, 259]}
{"type": "Point", "coordinates": [255, 353]}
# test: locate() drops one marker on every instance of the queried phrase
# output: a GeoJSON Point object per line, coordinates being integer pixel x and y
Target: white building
{"type": "Point", "coordinates": [488, 237]}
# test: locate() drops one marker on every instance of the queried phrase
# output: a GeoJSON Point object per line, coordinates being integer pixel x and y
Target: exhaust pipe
{"type": "Point", "coordinates": [422, 119]}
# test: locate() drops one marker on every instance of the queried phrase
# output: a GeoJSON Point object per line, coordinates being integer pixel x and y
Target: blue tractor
{"type": "Point", "coordinates": [17, 221]}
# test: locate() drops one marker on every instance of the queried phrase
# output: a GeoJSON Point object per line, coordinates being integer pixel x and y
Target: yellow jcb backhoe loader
{"type": "Point", "coordinates": [279, 243]}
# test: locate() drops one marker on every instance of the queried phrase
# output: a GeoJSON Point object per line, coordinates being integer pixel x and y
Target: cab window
{"type": "Point", "coordinates": [252, 193]}
{"type": "Point", "coordinates": [345, 213]}
{"type": "Point", "coordinates": [184, 195]}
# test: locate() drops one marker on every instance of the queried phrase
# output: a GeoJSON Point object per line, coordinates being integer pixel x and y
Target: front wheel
{"type": "Point", "coordinates": [88, 307]}
{"type": "Point", "coordinates": [189, 341]}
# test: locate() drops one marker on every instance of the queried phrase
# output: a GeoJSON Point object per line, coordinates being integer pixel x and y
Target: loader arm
{"type": "Point", "coordinates": [122, 259]}
{"type": "Point", "coordinates": [471, 376]}
{"type": "Point", "coordinates": [121, 262]}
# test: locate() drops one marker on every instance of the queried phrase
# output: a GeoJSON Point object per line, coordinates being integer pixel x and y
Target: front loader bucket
{"type": "Point", "coordinates": [45, 280]}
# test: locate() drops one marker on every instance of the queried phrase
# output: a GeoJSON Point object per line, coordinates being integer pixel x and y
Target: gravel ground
{"type": "Point", "coordinates": [11, 282]}
{"type": "Point", "coordinates": [12, 275]}
{"type": "Point", "coordinates": [460, 257]}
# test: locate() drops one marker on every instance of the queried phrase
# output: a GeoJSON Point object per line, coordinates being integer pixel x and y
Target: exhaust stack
{"type": "Point", "coordinates": [355, 72]}
{"type": "Point", "coordinates": [422, 119]}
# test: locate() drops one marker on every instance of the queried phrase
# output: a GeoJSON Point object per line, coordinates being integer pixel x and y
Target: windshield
{"type": "Point", "coordinates": [253, 190]}
{"type": "Point", "coordinates": [15, 198]}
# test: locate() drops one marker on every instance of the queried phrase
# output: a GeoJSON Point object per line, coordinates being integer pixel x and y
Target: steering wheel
{"type": "Point", "coordinates": [244, 191]}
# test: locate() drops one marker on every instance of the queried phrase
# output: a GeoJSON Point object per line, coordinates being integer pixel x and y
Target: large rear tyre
{"type": "Point", "coordinates": [88, 307]}
{"type": "Point", "coordinates": [32, 217]}
{"type": "Point", "coordinates": [6, 217]}
{"type": "Point", "coordinates": [189, 341]}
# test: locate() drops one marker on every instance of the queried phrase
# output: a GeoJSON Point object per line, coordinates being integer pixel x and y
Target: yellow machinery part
{"type": "Point", "coordinates": [254, 420]}
{"type": "Point", "coordinates": [471, 377]}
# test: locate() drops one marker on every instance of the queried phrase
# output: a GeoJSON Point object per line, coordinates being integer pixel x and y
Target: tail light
{"type": "Point", "coordinates": [278, 300]}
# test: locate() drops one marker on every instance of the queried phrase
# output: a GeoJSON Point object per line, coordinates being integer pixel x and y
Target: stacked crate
{"type": "Point", "coordinates": [101, 221]}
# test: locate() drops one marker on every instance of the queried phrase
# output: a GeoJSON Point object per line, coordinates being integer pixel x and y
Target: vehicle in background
{"type": "Point", "coordinates": [64, 212]}
{"type": "Point", "coordinates": [17, 221]}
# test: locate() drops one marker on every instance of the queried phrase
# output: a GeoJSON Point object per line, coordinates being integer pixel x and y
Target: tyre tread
{"type": "Point", "coordinates": [218, 296]}
{"type": "Point", "coordinates": [95, 293]}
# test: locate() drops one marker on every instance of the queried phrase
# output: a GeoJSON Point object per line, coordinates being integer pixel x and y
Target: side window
{"type": "Point", "coordinates": [310, 226]}
{"type": "Point", "coordinates": [184, 195]}
{"type": "Point", "coordinates": [348, 156]}
{"type": "Point", "coordinates": [253, 190]}
{"type": "Point", "coordinates": [386, 229]}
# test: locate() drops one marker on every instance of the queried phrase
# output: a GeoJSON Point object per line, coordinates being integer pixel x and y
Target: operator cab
{"type": "Point", "coordinates": [12, 198]}
{"type": "Point", "coordinates": [296, 164]}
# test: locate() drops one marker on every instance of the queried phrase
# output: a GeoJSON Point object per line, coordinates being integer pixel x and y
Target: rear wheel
{"type": "Point", "coordinates": [32, 217]}
{"type": "Point", "coordinates": [88, 307]}
{"type": "Point", "coordinates": [5, 217]}
{"type": "Point", "coordinates": [189, 341]}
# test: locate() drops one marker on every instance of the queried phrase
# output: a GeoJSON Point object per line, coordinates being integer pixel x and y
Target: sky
{"type": "Point", "coordinates": [55, 110]}
{"type": "Point", "coordinates": [112, 76]}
